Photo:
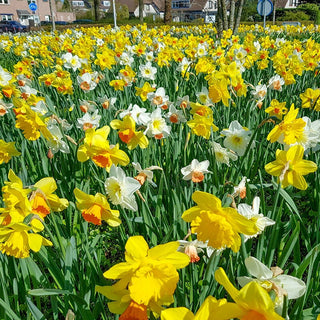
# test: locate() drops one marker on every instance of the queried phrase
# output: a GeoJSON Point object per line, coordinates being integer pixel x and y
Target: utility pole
{"type": "Point", "coordinates": [52, 16]}
{"type": "Point", "coordinates": [114, 13]}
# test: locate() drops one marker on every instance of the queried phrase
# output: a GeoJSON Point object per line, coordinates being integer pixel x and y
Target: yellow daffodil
{"type": "Point", "coordinates": [218, 91]}
{"type": "Point", "coordinates": [147, 280]}
{"type": "Point", "coordinates": [202, 126]}
{"type": "Point", "coordinates": [128, 134]}
{"type": "Point", "coordinates": [96, 147]}
{"type": "Point", "coordinates": [211, 306]}
{"type": "Point", "coordinates": [144, 90]}
{"type": "Point", "coordinates": [7, 151]}
{"type": "Point", "coordinates": [277, 109]}
{"type": "Point", "coordinates": [43, 201]}
{"type": "Point", "coordinates": [288, 131]}
{"type": "Point", "coordinates": [290, 167]}
{"type": "Point", "coordinates": [215, 224]}
{"type": "Point", "coordinates": [17, 241]}
{"type": "Point", "coordinates": [96, 208]}
{"type": "Point", "coordinates": [310, 99]}
{"type": "Point", "coordinates": [252, 301]}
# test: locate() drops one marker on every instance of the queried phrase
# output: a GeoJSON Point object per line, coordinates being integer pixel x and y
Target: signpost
{"type": "Point", "coordinates": [33, 7]}
{"type": "Point", "coordinates": [264, 8]}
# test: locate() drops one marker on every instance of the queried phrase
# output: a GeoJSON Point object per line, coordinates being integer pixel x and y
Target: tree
{"type": "Point", "coordinates": [167, 12]}
{"type": "Point", "coordinates": [141, 4]}
{"type": "Point", "coordinates": [233, 21]}
{"type": "Point", "coordinates": [96, 9]}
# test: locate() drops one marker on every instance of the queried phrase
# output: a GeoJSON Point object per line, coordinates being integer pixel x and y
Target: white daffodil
{"type": "Point", "coordinates": [196, 170]}
{"type": "Point", "coordinates": [192, 248]}
{"type": "Point", "coordinates": [273, 279]}
{"type": "Point", "coordinates": [203, 97]}
{"type": "Point", "coordinates": [237, 137]}
{"type": "Point", "coordinates": [107, 103]}
{"type": "Point", "coordinates": [276, 82]}
{"type": "Point", "coordinates": [88, 81]}
{"type": "Point", "coordinates": [158, 98]}
{"type": "Point", "coordinates": [139, 115]}
{"type": "Point", "coordinates": [5, 77]}
{"type": "Point", "coordinates": [253, 213]}
{"type": "Point", "coordinates": [174, 115]}
{"type": "Point", "coordinates": [260, 91]}
{"type": "Point", "coordinates": [56, 143]}
{"type": "Point", "coordinates": [157, 126]}
{"type": "Point", "coordinates": [223, 155]}
{"type": "Point", "coordinates": [71, 61]}
{"type": "Point", "coordinates": [145, 174]}
{"type": "Point", "coordinates": [4, 107]}
{"type": "Point", "coordinates": [89, 121]}
{"type": "Point", "coordinates": [121, 189]}
{"type": "Point", "coordinates": [147, 71]}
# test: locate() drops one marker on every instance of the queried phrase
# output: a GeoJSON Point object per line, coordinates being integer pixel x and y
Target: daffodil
{"type": "Point", "coordinates": [7, 151]}
{"type": "Point", "coordinates": [273, 280]}
{"type": "Point", "coordinates": [289, 130]}
{"type": "Point", "coordinates": [196, 170]}
{"type": "Point", "coordinates": [237, 138]}
{"type": "Point", "coordinates": [121, 188]}
{"type": "Point", "coordinates": [17, 241]}
{"type": "Point", "coordinates": [96, 208]}
{"type": "Point", "coordinates": [128, 134]}
{"type": "Point", "coordinates": [215, 224]}
{"type": "Point", "coordinates": [147, 279]}
{"type": "Point", "coordinates": [43, 201]}
{"type": "Point", "coordinates": [290, 167]}
{"type": "Point", "coordinates": [277, 109]}
{"type": "Point", "coordinates": [96, 147]}
{"type": "Point", "coordinates": [252, 301]}
{"type": "Point", "coordinates": [202, 126]}
{"type": "Point", "coordinates": [211, 308]}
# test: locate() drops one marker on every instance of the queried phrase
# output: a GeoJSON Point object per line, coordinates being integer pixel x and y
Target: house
{"type": "Point", "coordinates": [153, 8]}
{"type": "Point", "coordinates": [19, 10]}
{"type": "Point", "coordinates": [288, 4]}
{"type": "Point", "coordinates": [188, 10]}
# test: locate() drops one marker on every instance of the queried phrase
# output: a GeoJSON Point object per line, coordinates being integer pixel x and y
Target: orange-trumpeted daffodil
{"type": "Point", "coordinates": [96, 208]}
{"type": "Point", "coordinates": [221, 309]}
{"type": "Point", "coordinates": [96, 147]}
{"type": "Point", "coordinates": [290, 167]}
{"type": "Point", "coordinates": [215, 224]}
{"type": "Point", "coordinates": [290, 130]}
{"type": "Point", "coordinates": [128, 134]}
{"type": "Point", "coordinates": [16, 240]}
{"type": "Point", "coordinates": [252, 301]}
{"type": "Point", "coordinates": [43, 201]}
{"type": "Point", "coordinates": [147, 280]}
{"type": "Point", "coordinates": [7, 151]}
{"type": "Point", "coordinates": [277, 109]}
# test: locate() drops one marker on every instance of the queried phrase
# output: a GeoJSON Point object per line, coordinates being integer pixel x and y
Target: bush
{"type": "Point", "coordinates": [294, 15]}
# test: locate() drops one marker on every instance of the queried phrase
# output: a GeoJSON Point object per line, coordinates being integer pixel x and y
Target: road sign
{"type": "Point", "coordinates": [265, 7]}
{"type": "Point", "coordinates": [33, 6]}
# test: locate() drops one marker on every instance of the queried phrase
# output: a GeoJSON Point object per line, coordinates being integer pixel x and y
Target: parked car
{"type": "Point", "coordinates": [17, 26]}
{"type": "Point", "coordinates": [82, 21]}
{"type": "Point", "coordinates": [62, 23]}
{"type": "Point", "coordinates": [5, 27]}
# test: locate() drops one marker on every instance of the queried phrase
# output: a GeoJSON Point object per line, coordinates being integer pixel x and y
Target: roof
{"type": "Point", "coordinates": [281, 3]}
{"type": "Point", "coordinates": [23, 13]}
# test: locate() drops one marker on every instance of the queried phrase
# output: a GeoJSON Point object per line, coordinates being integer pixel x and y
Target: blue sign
{"type": "Point", "coordinates": [33, 6]}
{"type": "Point", "coordinates": [265, 7]}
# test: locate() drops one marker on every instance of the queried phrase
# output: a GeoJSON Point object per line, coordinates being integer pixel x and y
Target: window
{"type": "Point", "coordinates": [6, 17]}
{"type": "Point", "coordinates": [176, 4]}
{"type": "Point", "coordinates": [210, 5]}
{"type": "Point", "coordinates": [77, 3]}
{"type": "Point", "coordinates": [147, 6]}
{"type": "Point", "coordinates": [4, 1]}
{"type": "Point", "coordinates": [106, 3]}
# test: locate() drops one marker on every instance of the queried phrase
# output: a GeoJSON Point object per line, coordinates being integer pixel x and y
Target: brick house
{"type": "Point", "coordinates": [18, 10]}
